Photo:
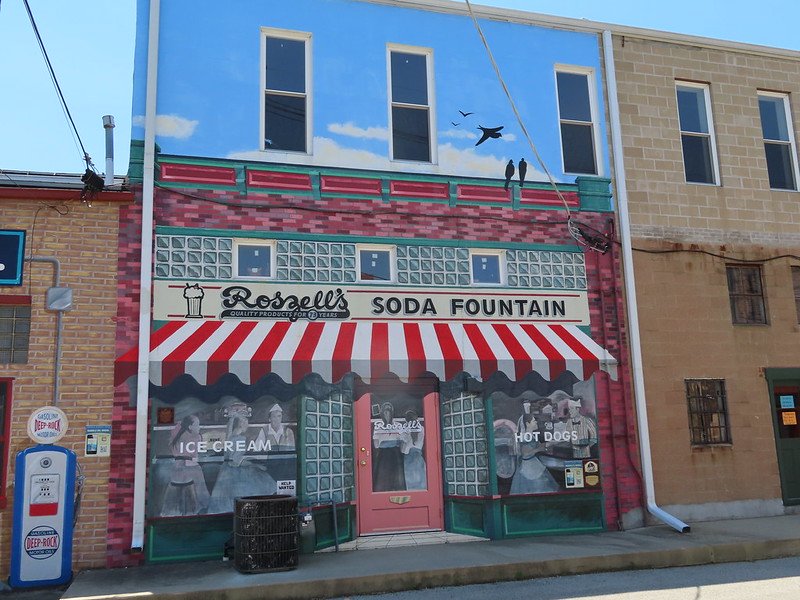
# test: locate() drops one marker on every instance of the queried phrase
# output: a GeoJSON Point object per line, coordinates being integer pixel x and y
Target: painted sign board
{"type": "Point", "coordinates": [278, 301]}
{"type": "Point", "coordinates": [12, 255]}
{"type": "Point", "coordinates": [47, 425]}
{"type": "Point", "coordinates": [98, 440]}
{"type": "Point", "coordinates": [787, 401]}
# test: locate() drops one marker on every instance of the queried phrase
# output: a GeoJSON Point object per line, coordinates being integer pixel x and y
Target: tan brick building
{"type": "Point", "coordinates": [708, 130]}
{"type": "Point", "coordinates": [82, 238]}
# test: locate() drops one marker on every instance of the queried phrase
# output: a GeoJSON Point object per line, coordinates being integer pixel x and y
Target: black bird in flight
{"type": "Point", "coordinates": [489, 132]}
{"type": "Point", "coordinates": [455, 124]}
{"type": "Point", "coordinates": [523, 169]}
{"type": "Point", "coordinates": [509, 172]}
{"type": "Point", "coordinates": [466, 114]}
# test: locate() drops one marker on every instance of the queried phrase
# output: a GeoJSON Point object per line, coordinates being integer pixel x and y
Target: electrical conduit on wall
{"type": "Point", "coordinates": [630, 292]}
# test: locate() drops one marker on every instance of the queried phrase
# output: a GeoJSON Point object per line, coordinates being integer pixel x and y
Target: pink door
{"type": "Point", "coordinates": [398, 464]}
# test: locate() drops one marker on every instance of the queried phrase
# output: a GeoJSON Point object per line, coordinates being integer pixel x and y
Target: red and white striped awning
{"type": "Point", "coordinates": [206, 350]}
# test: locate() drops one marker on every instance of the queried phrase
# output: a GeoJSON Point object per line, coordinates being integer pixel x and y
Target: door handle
{"type": "Point", "coordinates": [363, 463]}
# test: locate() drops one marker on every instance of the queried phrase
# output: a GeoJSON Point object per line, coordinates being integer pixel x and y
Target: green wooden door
{"type": "Point", "coordinates": [786, 418]}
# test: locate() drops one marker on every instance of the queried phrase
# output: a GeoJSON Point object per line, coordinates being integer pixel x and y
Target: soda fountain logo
{"type": "Point", "coordinates": [194, 301]}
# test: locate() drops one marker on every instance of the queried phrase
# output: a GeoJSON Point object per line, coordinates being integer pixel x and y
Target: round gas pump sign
{"type": "Point", "coordinates": [47, 425]}
{"type": "Point", "coordinates": [42, 542]}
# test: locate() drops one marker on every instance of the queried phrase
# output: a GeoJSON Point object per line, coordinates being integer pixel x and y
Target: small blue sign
{"type": "Point", "coordinates": [787, 401]}
{"type": "Point", "coordinates": [12, 254]}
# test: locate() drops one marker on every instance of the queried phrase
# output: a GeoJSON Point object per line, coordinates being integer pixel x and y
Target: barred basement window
{"type": "Point", "coordinates": [708, 412]}
{"type": "Point", "coordinates": [15, 329]}
{"type": "Point", "coordinates": [746, 295]}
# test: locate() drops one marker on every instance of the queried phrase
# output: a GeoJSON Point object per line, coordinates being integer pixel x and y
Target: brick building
{"type": "Point", "coordinates": [708, 130]}
{"type": "Point", "coordinates": [360, 294]}
{"type": "Point", "coordinates": [68, 243]}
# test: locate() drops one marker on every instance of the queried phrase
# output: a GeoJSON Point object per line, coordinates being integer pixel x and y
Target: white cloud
{"type": "Point", "coordinates": [171, 126]}
{"type": "Point", "coordinates": [509, 137]}
{"type": "Point", "coordinates": [451, 160]}
{"type": "Point", "coordinates": [352, 130]}
{"type": "Point", "coordinates": [458, 134]}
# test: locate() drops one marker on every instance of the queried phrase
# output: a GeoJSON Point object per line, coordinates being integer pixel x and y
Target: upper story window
{"type": "Point", "coordinates": [375, 264]}
{"type": "Point", "coordinates": [576, 113]}
{"type": "Point", "coordinates": [487, 268]}
{"type": "Point", "coordinates": [5, 431]}
{"type": "Point", "coordinates": [254, 260]}
{"type": "Point", "coordinates": [411, 114]}
{"type": "Point", "coordinates": [15, 329]}
{"type": "Point", "coordinates": [746, 294]}
{"type": "Point", "coordinates": [286, 82]}
{"type": "Point", "coordinates": [697, 133]}
{"type": "Point", "coordinates": [779, 146]}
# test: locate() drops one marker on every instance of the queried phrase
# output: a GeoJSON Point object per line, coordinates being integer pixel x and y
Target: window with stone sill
{"type": "Point", "coordinates": [746, 293]}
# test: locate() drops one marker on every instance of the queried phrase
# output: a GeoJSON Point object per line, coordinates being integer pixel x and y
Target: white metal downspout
{"type": "Point", "coordinates": [630, 292]}
{"type": "Point", "coordinates": [145, 281]}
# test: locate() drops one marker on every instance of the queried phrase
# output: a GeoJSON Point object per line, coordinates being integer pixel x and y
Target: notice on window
{"type": "Point", "coordinates": [787, 401]}
{"type": "Point", "coordinates": [789, 418]}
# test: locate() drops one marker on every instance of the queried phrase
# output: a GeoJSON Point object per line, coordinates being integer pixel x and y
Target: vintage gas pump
{"type": "Point", "coordinates": [44, 493]}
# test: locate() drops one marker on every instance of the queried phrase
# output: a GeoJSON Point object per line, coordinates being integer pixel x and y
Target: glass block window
{"type": "Point", "coordinates": [779, 145]}
{"type": "Point", "coordinates": [194, 257]}
{"type": "Point", "coordinates": [254, 260]}
{"type": "Point", "coordinates": [431, 265]}
{"type": "Point", "coordinates": [15, 329]}
{"type": "Point", "coordinates": [697, 133]}
{"type": "Point", "coordinates": [316, 261]}
{"type": "Point", "coordinates": [708, 411]}
{"type": "Point", "coordinates": [546, 269]}
{"type": "Point", "coordinates": [465, 447]}
{"type": "Point", "coordinates": [375, 264]}
{"type": "Point", "coordinates": [746, 294]}
{"type": "Point", "coordinates": [328, 449]}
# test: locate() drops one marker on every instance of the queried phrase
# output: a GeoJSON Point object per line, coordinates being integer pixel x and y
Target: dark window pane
{"type": "Point", "coordinates": [410, 134]}
{"type": "Point", "coordinates": [773, 119]}
{"type": "Point", "coordinates": [578, 145]}
{"type": "Point", "coordinates": [375, 265]}
{"type": "Point", "coordinates": [485, 268]}
{"type": "Point", "coordinates": [779, 166]}
{"type": "Point", "coordinates": [697, 159]}
{"type": "Point", "coordinates": [692, 110]}
{"type": "Point", "coordinates": [286, 65]}
{"type": "Point", "coordinates": [254, 261]}
{"type": "Point", "coordinates": [796, 286]}
{"type": "Point", "coordinates": [708, 413]}
{"type": "Point", "coordinates": [573, 97]}
{"type": "Point", "coordinates": [746, 294]}
{"type": "Point", "coordinates": [285, 123]}
{"type": "Point", "coordinates": [409, 78]}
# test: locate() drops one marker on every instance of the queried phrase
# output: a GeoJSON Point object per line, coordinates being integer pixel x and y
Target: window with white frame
{"type": "Point", "coordinates": [254, 259]}
{"type": "Point", "coordinates": [779, 145]}
{"type": "Point", "coordinates": [375, 264]}
{"type": "Point", "coordinates": [697, 133]}
{"type": "Point", "coordinates": [410, 99]}
{"type": "Point", "coordinates": [577, 118]}
{"type": "Point", "coordinates": [286, 82]}
{"type": "Point", "coordinates": [487, 268]}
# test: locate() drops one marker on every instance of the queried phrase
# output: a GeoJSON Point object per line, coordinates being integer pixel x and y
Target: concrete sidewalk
{"type": "Point", "coordinates": [325, 575]}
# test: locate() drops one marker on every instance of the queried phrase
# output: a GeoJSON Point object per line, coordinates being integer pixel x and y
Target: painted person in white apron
{"type": "Point", "coordinates": [531, 476]}
{"type": "Point", "coordinates": [279, 436]}
{"type": "Point", "coordinates": [582, 430]}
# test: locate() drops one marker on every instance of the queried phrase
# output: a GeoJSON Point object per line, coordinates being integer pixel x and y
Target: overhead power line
{"type": "Point", "coordinates": [86, 158]}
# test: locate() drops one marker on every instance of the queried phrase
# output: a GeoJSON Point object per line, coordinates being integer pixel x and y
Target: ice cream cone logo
{"type": "Point", "coordinates": [194, 300]}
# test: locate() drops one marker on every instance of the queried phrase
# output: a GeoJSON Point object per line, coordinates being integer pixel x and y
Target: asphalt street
{"type": "Point", "coordinates": [763, 580]}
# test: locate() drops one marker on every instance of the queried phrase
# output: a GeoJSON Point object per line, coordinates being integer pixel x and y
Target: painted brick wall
{"type": "Point", "coordinates": [186, 208]}
{"type": "Point", "coordinates": [84, 240]}
{"type": "Point", "coordinates": [683, 297]}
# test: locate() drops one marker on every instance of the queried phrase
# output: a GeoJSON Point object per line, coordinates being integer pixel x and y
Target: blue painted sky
{"type": "Point", "coordinates": [91, 47]}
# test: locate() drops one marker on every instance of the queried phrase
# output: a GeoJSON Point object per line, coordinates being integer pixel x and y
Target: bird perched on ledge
{"type": "Point", "coordinates": [509, 172]}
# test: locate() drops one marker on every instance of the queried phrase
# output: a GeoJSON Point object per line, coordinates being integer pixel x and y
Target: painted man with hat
{"type": "Point", "coordinates": [279, 436]}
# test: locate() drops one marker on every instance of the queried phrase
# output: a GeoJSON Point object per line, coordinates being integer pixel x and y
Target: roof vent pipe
{"type": "Point", "coordinates": [108, 125]}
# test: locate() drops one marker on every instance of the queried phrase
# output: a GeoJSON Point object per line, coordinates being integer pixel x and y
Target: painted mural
{"type": "Point", "coordinates": [211, 89]}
